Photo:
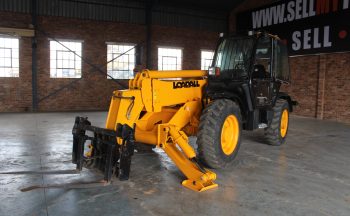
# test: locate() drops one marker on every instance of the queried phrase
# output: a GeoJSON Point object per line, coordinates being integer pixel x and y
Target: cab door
{"type": "Point", "coordinates": [261, 76]}
{"type": "Point", "coordinates": [280, 71]}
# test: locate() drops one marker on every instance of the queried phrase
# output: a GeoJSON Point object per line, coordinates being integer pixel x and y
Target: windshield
{"type": "Point", "coordinates": [233, 57]}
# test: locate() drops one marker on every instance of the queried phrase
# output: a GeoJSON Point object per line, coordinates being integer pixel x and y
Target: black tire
{"type": "Point", "coordinates": [273, 131]}
{"type": "Point", "coordinates": [210, 149]}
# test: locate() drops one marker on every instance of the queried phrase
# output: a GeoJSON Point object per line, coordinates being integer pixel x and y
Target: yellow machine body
{"type": "Point", "coordinates": [164, 107]}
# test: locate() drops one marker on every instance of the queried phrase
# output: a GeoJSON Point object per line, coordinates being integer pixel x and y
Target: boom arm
{"type": "Point", "coordinates": [165, 110]}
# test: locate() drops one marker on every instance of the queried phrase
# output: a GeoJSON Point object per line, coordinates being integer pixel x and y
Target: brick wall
{"type": "Point", "coordinates": [320, 83]}
{"type": "Point", "coordinates": [334, 87]}
{"type": "Point", "coordinates": [94, 90]}
{"type": "Point", "coordinates": [192, 41]}
{"type": "Point", "coordinates": [16, 93]}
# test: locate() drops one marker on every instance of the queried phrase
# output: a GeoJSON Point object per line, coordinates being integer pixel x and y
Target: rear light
{"type": "Point", "coordinates": [217, 71]}
{"type": "Point", "coordinates": [211, 71]}
{"type": "Point", "coordinates": [214, 71]}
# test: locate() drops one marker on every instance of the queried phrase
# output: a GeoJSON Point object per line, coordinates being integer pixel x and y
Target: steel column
{"type": "Point", "coordinates": [149, 6]}
{"type": "Point", "coordinates": [34, 58]}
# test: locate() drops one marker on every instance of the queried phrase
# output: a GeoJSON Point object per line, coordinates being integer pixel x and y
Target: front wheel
{"type": "Point", "coordinates": [219, 134]}
{"type": "Point", "coordinates": [277, 130]}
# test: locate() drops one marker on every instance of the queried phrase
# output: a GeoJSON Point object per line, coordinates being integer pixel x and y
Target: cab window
{"type": "Point", "coordinates": [281, 64]}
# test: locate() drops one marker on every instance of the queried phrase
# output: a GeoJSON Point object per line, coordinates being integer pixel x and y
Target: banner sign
{"type": "Point", "coordinates": [308, 26]}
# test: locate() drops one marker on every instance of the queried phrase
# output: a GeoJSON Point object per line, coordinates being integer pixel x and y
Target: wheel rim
{"type": "Point", "coordinates": [229, 134]}
{"type": "Point", "coordinates": [284, 123]}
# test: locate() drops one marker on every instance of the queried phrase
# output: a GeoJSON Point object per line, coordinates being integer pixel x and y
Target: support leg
{"type": "Point", "coordinates": [197, 179]}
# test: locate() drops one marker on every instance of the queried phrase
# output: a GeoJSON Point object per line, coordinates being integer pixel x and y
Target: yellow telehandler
{"type": "Point", "coordinates": [163, 108]}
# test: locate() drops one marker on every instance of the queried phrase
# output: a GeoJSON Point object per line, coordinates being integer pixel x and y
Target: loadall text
{"type": "Point", "coordinates": [185, 84]}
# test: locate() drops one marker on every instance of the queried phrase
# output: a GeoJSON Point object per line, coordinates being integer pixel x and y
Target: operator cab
{"type": "Point", "coordinates": [249, 68]}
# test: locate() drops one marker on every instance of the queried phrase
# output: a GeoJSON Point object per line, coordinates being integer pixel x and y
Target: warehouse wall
{"type": "Point", "coordinates": [16, 93]}
{"type": "Point", "coordinates": [320, 83]}
{"type": "Point", "coordinates": [93, 91]}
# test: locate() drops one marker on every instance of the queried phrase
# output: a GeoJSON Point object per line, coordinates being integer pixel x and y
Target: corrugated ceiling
{"type": "Point", "coordinates": [133, 11]}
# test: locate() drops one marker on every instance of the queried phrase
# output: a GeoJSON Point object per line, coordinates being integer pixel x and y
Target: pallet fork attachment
{"type": "Point", "coordinates": [108, 157]}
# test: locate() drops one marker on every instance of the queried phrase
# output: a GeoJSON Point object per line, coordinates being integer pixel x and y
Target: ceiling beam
{"type": "Point", "coordinates": [17, 32]}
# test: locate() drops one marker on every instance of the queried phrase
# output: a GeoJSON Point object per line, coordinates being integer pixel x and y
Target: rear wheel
{"type": "Point", "coordinates": [277, 131]}
{"type": "Point", "coordinates": [219, 134]}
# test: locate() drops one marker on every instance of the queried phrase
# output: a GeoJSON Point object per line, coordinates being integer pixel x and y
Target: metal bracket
{"type": "Point", "coordinates": [107, 151]}
{"type": "Point", "coordinates": [104, 140]}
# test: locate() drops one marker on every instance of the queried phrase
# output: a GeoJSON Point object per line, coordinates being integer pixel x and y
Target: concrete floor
{"type": "Point", "coordinates": [309, 175]}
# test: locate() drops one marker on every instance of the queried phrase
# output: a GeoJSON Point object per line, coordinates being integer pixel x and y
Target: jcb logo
{"type": "Point", "coordinates": [185, 84]}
